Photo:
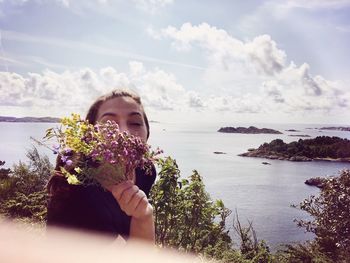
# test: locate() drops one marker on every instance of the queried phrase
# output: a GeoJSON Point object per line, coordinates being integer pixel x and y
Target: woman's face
{"type": "Point", "coordinates": [127, 113]}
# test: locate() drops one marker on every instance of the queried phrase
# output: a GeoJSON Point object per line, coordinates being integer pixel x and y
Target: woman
{"type": "Point", "coordinates": [123, 209]}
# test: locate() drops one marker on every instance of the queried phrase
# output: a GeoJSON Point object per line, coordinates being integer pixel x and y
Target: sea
{"type": "Point", "coordinates": [258, 193]}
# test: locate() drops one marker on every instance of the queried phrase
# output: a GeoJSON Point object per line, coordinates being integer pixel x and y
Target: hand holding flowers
{"type": "Point", "coordinates": [131, 199]}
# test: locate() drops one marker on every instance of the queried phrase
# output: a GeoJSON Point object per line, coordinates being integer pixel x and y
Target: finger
{"type": "Point", "coordinates": [144, 209]}
{"type": "Point", "coordinates": [117, 190]}
{"type": "Point", "coordinates": [138, 204]}
{"type": "Point", "coordinates": [141, 209]}
{"type": "Point", "coordinates": [128, 195]}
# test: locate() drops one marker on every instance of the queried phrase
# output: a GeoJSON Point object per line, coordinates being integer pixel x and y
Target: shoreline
{"type": "Point", "coordinates": [292, 158]}
{"type": "Point", "coordinates": [28, 119]}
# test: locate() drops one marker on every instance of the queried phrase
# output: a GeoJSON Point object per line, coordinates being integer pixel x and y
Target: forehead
{"type": "Point", "coordinates": [119, 106]}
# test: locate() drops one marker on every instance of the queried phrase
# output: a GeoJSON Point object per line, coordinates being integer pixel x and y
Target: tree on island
{"type": "Point", "coordinates": [319, 147]}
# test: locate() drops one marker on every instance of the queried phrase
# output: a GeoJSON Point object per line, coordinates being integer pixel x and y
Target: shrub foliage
{"type": "Point", "coordinates": [331, 216]}
{"type": "Point", "coordinates": [22, 189]}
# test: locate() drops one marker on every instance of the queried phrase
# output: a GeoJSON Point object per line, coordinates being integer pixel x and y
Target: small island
{"type": "Point", "coordinates": [299, 135]}
{"type": "Point", "coordinates": [316, 181]}
{"type": "Point", "coordinates": [336, 128]}
{"type": "Point", "coordinates": [249, 130]}
{"type": "Point", "coordinates": [293, 130]}
{"type": "Point", "coordinates": [219, 152]}
{"type": "Point", "coordinates": [29, 119]}
{"type": "Point", "coordinates": [321, 148]}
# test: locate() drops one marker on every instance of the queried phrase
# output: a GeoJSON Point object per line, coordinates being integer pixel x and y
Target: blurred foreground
{"type": "Point", "coordinates": [19, 245]}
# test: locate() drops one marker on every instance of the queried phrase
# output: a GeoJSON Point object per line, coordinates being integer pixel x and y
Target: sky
{"type": "Point", "coordinates": [210, 61]}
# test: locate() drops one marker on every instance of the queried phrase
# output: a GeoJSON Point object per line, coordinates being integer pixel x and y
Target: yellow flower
{"type": "Point", "coordinates": [77, 169]}
{"type": "Point", "coordinates": [72, 179]}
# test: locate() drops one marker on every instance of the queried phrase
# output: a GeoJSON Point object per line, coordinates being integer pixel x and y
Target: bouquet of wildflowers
{"type": "Point", "coordinates": [99, 153]}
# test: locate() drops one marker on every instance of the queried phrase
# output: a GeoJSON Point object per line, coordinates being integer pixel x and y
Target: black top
{"type": "Point", "coordinates": [95, 209]}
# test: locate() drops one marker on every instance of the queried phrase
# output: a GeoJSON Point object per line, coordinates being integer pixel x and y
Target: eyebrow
{"type": "Point", "coordinates": [115, 115]}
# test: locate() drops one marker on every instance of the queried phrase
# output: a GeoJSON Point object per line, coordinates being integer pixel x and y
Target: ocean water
{"type": "Point", "coordinates": [259, 193]}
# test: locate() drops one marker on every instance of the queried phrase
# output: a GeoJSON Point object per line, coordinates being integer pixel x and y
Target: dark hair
{"type": "Point", "coordinates": [92, 113]}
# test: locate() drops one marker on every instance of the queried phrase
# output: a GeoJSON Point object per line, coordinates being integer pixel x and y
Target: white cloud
{"type": "Point", "coordinates": [158, 88]}
{"type": "Point", "coordinates": [49, 92]}
{"type": "Point", "coordinates": [264, 53]}
{"type": "Point", "coordinates": [195, 101]}
{"type": "Point", "coordinates": [11, 87]}
{"type": "Point", "coordinates": [296, 90]}
{"type": "Point", "coordinates": [136, 68]}
{"type": "Point", "coordinates": [236, 69]}
{"type": "Point", "coordinates": [292, 90]}
{"type": "Point", "coordinates": [246, 103]}
{"type": "Point", "coordinates": [56, 94]}
{"type": "Point", "coordinates": [227, 52]}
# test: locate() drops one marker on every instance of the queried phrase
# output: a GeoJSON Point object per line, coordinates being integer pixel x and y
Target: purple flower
{"type": "Point", "coordinates": [64, 158]}
{"type": "Point", "coordinates": [55, 148]}
{"type": "Point", "coordinates": [125, 152]}
{"type": "Point", "coordinates": [69, 162]}
{"type": "Point", "coordinates": [68, 150]}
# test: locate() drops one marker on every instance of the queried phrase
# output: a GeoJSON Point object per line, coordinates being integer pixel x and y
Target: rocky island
{"type": "Point", "coordinates": [293, 130]}
{"type": "Point", "coordinates": [29, 119]}
{"type": "Point", "coordinates": [249, 130]}
{"type": "Point", "coordinates": [299, 135]}
{"type": "Point", "coordinates": [321, 148]}
{"type": "Point", "coordinates": [217, 152]}
{"type": "Point", "coordinates": [316, 181]}
{"type": "Point", "coordinates": [336, 128]}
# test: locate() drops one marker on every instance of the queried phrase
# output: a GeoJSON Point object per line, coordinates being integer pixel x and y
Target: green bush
{"type": "Point", "coordinates": [331, 218]}
{"type": "Point", "coordinates": [187, 219]}
{"type": "Point", "coordinates": [184, 212]}
{"type": "Point", "coordinates": [22, 189]}
{"type": "Point", "coordinates": [305, 253]}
